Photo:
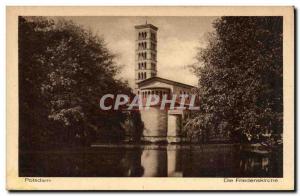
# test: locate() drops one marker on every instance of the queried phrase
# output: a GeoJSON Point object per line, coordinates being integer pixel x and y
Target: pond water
{"type": "Point", "coordinates": [211, 160]}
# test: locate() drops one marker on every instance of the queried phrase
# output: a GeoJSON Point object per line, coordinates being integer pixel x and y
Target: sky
{"type": "Point", "coordinates": [178, 40]}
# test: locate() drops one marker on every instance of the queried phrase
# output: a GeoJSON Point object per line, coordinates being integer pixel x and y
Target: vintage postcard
{"type": "Point", "coordinates": [150, 98]}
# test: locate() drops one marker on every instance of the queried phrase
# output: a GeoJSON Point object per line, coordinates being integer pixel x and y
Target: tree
{"type": "Point", "coordinates": [64, 71]}
{"type": "Point", "coordinates": [240, 79]}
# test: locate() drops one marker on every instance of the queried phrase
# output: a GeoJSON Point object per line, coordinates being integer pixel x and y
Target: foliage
{"type": "Point", "coordinates": [63, 71]}
{"type": "Point", "coordinates": [240, 79]}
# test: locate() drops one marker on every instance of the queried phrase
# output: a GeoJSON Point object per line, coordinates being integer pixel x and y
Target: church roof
{"type": "Point", "coordinates": [165, 81]}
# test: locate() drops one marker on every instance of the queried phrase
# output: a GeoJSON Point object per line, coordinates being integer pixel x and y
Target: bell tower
{"type": "Point", "coordinates": [145, 52]}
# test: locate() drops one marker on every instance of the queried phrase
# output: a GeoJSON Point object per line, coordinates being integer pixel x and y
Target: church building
{"type": "Point", "coordinates": [159, 125]}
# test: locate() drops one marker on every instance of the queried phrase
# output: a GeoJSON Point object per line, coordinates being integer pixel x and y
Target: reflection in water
{"type": "Point", "coordinates": [174, 163]}
{"type": "Point", "coordinates": [261, 163]}
{"type": "Point", "coordinates": [161, 163]}
{"type": "Point", "coordinates": [131, 163]}
{"type": "Point", "coordinates": [153, 161]}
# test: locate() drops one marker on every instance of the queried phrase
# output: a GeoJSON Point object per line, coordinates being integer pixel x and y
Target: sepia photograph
{"type": "Point", "coordinates": [122, 97]}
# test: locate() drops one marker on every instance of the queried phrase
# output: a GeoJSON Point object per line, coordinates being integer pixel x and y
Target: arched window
{"type": "Point", "coordinates": [153, 36]}
{"type": "Point", "coordinates": [145, 75]}
{"type": "Point", "coordinates": [152, 56]}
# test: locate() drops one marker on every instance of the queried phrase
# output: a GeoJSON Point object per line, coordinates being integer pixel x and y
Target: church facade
{"type": "Point", "coordinates": [159, 125]}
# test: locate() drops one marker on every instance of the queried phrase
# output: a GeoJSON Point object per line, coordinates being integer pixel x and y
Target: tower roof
{"type": "Point", "coordinates": [146, 26]}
